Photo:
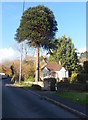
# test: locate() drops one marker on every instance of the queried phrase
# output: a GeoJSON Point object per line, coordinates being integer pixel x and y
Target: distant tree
{"type": "Point", "coordinates": [86, 54]}
{"type": "Point", "coordinates": [0, 68]}
{"type": "Point", "coordinates": [6, 70]}
{"type": "Point", "coordinates": [12, 69]}
{"type": "Point", "coordinates": [79, 69]}
{"type": "Point", "coordinates": [38, 27]}
{"type": "Point", "coordinates": [65, 53]}
{"type": "Point", "coordinates": [85, 66]}
{"type": "Point", "coordinates": [44, 58]}
{"type": "Point", "coordinates": [83, 57]}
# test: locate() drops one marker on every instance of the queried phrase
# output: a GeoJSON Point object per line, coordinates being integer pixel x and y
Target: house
{"type": "Point", "coordinates": [53, 69]}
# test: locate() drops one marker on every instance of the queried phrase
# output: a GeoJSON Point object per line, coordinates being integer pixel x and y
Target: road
{"type": "Point", "coordinates": [20, 103]}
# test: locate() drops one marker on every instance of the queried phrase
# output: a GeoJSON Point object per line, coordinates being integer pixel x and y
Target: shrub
{"type": "Point", "coordinates": [82, 77]}
{"type": "Point", "coordinates": [29, 78]}
{"type": "Point", "coordinates": [85, 66]}
{"type": "Point", "coordinates": [52, 83]}
{"type": "Point", "coordinates": [65, 80]}
{"type": "Point", "coordinates": [73, 77]}
{"type": "Point", "coordinates": [36, 87]}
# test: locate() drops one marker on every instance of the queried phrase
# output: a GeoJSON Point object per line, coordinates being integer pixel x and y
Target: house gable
{"type": "Point", "coordinates": [45, 72]}
{"type": "Point", "coordinates": [52, 69]}
{"type": "Point", "coordinates": [63, 69]}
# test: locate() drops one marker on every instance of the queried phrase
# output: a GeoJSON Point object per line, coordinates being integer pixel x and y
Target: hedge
{"type": "Point", "coordinates": [82, 77]}
{"type": "Point", "coordinates": [52, 83]}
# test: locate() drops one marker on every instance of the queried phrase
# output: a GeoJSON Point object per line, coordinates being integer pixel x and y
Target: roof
{"type": "Point", "coordinates": [52, 66]}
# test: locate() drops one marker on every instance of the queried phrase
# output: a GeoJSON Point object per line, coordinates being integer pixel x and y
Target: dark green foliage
{"type": "Point", "coordinates": [38, 26]}
{"type": "Point", "coordinates": [36, 87]}
{"type": "Point", "coordinates": [79, 69]}
{"type": "Point", "coordinates": [52, 83]}
{"type": "Point", "coordinates": [85, 66]}
{"type": "Point", "coordinates": [82, 77]}
{"type": "Point", "coordinates": [65, 80]}
{"type": "Point", "coordinates": [65, 53]}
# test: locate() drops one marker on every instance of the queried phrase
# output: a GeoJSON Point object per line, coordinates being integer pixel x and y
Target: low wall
{"type": "Point", "coordinates": [73, 87]}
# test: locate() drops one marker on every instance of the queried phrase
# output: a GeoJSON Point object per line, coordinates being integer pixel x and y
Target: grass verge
{"type": "Point", "coordinates": [77, 97]}
{"type": "Point", "coordinates": [28, 85]}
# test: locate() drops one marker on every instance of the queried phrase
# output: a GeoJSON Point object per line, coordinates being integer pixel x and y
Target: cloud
{"type": "Point", "coordinates": [8, 54]}
{"type": "Point", "coordinates": [81, 50]}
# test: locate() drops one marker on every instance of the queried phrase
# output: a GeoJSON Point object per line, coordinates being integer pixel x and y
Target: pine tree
{"type": "Point", "coordinates": [38, 27]}
{"type": "Point", "coordinates": [65, 53]}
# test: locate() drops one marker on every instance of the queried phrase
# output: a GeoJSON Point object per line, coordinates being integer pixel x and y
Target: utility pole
{"type": "Point", "coordinates": [20, 76]}
{"type": "Point", "coordinates": [21, 54]}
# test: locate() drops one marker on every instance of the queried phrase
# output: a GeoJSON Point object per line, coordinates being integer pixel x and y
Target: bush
{"type": "Point", "coordinates": [85, 66]}
{"type": "Point", "coordinates": [73, 77]}
{"type": "Point", "coordinates": [36, 87]}
{"type": "Point", "coordinates": [82, 77]}
{"type": "Point", "coordinates": [29, 78]}
{"type": "Point", "coordinates": [52, 83]}
{"type": "Point", "coordinates": [65, 80]}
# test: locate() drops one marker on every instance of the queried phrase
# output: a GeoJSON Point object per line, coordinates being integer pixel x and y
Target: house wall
{"type": "Point", "coordinates": [58, 74]}
{"type": "Point", "coordinates": [45, 73]}
{"type": "Point", "coordinates": [62, 73]}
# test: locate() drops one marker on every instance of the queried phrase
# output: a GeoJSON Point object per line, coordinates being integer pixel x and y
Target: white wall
{"type": "Point", "coordinates": [62, 73]}
{"type": "Point", "coordinates": [44, 73]}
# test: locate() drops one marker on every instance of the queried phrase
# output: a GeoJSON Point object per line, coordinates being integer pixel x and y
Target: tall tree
{"type": "Point", "coordinates": [65, 53]}
{"type": "Point", "coordinates": [38, 26]}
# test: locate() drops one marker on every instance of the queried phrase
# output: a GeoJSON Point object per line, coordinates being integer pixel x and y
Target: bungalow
{"type": "Point", "coordinates": [53, 69]}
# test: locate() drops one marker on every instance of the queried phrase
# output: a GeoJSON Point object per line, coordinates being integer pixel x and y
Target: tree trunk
{"type": "Point", "coordinates": [37, 65]}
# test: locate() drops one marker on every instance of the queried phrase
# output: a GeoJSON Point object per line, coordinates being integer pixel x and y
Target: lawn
{"type": "Point", "coordinates": [27, 85]}
{"type": "Point", "coordinates": [77, 97]}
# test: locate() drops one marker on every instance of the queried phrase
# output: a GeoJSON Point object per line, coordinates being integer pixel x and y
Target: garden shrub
{"type": "Point", "coordinates": [29, 78]}
{"type": "Point", "coordinates": [36, 87]}
{"type": "Point", "coordinates": [65, 80]}
{"type": "Point", "coordinates": [52, 83]}
{"type": "Point", "coordinates": [85, 66]}
{"type": "Point", "coordinates": [82, 77]}
{"type": "Point", "coordinates": [74, 77]}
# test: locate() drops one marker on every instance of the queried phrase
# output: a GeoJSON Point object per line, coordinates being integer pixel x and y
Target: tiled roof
{"type": "Point", "coordinates": [52, 66]}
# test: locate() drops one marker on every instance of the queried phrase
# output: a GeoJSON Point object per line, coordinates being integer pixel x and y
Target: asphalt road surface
{"type": "Point", "coordinates": [20, 103]}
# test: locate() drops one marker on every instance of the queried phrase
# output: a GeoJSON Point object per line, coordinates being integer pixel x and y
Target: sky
{"type": "Point", "coordinates": [70, 17]}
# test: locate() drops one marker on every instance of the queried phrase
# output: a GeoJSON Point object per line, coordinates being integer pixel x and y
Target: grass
{"type": "Point", "coordinates": [22, 84]}
{"type": "Point", "coordinates": [77, 97]}
{"type": "Point", "coordinates": [28, 85]}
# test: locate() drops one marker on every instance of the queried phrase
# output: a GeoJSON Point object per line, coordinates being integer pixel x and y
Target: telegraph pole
{"type": "Point", "coordinates": [21, 54]}
{"type": "Point", "coordinates": [20, 76]}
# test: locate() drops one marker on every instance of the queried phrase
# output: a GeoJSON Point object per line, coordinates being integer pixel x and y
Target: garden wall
{"type": "Point", "coordinates": [72, 87]}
